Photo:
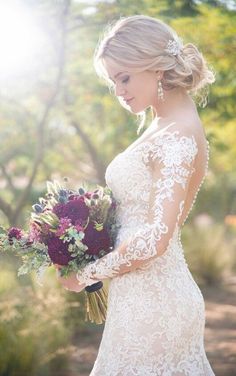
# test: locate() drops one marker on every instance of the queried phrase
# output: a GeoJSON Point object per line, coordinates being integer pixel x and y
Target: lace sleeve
{"type": "Point", "coordinates": [171, 159]}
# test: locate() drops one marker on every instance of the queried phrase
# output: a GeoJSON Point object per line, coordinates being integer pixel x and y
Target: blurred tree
{"type": "Point", "coordinates": [69, 120]}
{"type": "Point", "coordinates": [20, 157]}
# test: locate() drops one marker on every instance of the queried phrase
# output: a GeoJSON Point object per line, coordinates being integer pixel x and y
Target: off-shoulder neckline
{"type": "Point", "coordinates": [136, 144]}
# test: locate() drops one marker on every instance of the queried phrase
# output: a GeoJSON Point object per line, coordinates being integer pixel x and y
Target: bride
{"type": "Point", "coordinates": [156, 313]}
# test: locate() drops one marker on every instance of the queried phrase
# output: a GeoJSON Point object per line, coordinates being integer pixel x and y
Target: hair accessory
{"type": "Point", "coordinates": [173, 47]}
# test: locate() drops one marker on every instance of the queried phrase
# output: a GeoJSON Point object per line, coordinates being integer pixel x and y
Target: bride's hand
{"type": "Point", "coordinates": [69, 283]}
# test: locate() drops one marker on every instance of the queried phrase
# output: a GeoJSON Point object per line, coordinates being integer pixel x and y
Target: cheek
{"type": "Point", "coordinates": [152, 89]}
{"type": "Point", "coordinates": [148, 93]}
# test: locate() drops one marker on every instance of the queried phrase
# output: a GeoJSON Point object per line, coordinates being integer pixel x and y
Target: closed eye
{"type": "Point", "coordinates": [125, 80]}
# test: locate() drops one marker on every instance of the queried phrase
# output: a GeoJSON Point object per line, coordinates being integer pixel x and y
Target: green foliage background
{"type": "Point", "coordinates": [61, 120]}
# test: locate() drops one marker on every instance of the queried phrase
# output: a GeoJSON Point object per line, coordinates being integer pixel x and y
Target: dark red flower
{"type": "Point", "coordinates": [58, 251]}
{"type": "Point", "coordinates": [15, 232]}
{"type": "Point", "coordinates": [74, 209]}
{"type": "Point", "coordinates": [96, 240]}
{"type": "Point", "coordinates": [58, 210]}
{"type": "Point", "coordinates": [88, 194]}
{"type": "Point", "coordinates": [75, 197]}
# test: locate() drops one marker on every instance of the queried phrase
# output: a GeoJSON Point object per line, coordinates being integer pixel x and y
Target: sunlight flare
{"type": "Point", "coordinates": [20, 40]}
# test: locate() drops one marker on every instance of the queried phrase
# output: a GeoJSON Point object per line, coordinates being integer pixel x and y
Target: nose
{"type": "Point", "coordinates": [119, 91]}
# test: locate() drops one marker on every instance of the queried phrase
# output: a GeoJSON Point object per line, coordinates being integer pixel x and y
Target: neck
{"type": "Point", "coordinates": [175, 101]}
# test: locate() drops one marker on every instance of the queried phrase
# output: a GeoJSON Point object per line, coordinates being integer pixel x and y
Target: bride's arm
{"type": "Point", "coordinates": [171, 159]}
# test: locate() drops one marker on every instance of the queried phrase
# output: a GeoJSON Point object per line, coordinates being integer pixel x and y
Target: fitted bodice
{"type": "Point", "coordinates": [130, 178]}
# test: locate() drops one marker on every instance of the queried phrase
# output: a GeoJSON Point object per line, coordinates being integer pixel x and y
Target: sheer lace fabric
{"type": "Point", "coordinates": [156, 315]}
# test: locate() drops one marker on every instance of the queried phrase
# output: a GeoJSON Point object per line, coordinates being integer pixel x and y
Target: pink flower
{"type": "Point", "coordinates": [34, 232]}
{"type": "Point", "coordinates": [79, 227]}
{"type": "Point", "coordinates": [64, 224]}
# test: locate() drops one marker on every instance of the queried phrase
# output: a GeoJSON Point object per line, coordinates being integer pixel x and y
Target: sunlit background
{"type": "Point", "coordinates": [21, 40]}
{"type": "Point", "coordinates": [57, 119]}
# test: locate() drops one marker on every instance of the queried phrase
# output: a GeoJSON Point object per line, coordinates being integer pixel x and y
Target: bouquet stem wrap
{"type": "Point", "coordinates": [96, 303]}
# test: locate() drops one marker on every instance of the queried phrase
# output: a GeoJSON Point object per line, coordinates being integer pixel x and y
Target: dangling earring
{"type": "Point", "coordinates": [160, 92]}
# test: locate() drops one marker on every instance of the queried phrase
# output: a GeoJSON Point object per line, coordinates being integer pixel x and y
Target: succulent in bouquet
{"type": "Point", "coordinates": [70, 228]}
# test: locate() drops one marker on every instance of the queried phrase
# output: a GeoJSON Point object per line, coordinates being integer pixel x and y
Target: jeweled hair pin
{"type": "Point", "coordinates": [173, 47]}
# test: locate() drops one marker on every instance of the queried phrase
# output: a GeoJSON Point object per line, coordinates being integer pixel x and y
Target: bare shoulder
{"type": "Point", "coordinates": [188, 124]}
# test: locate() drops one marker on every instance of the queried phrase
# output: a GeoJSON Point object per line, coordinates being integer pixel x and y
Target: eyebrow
{"type": "Point", "coordinates": [117, 75]}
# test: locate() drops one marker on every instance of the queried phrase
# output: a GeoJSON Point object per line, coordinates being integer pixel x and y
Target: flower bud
{"type": "Point", "coordinates": [62, 199]}
{"type": "Point", "coordinates": [37, 208]}
{"type": "Point", "coordinates": [81, 191]}
{"type": "Point", "coordinates": [63, 192]}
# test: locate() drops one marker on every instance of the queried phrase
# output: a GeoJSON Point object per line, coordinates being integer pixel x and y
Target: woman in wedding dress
{"type": "Point", "coordinates": [156, 313]}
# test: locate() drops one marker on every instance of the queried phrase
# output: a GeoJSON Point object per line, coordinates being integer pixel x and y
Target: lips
{"type": "Point", "coordinates": [127, 101]}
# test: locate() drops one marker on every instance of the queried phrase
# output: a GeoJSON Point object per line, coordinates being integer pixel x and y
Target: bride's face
{"type": "Point", "coordinates": [135, 91]}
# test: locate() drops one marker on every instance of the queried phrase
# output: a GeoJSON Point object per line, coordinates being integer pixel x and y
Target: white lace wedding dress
{"type": "Point", "coordinates": [156, 314]}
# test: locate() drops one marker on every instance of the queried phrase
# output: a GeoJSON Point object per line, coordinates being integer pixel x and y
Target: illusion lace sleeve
{"type": "Point", "coordinates": [170, 158]}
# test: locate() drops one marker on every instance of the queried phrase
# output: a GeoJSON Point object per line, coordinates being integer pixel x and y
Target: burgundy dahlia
{"type": "Point", "coordinates": [58, 251]}
{"type": "Point", "coordinates": [58, 210]}
{"type": "Point", "coordinates": [74, 209]}
{"type": "Point", "coordinates": [96, 240]}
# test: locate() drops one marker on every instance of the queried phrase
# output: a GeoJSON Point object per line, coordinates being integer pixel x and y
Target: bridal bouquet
{"type": "Point", "coordinates": [71, 228]}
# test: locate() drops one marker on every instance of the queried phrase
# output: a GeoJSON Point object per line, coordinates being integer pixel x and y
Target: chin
{"type": "Point", "coordinates": [133, 109]}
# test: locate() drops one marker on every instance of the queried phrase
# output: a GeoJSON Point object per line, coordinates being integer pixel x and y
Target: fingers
{"type": "Point", "coordinates": [57, 266]}
{"type": "Point", "coordinates": [58, 273]}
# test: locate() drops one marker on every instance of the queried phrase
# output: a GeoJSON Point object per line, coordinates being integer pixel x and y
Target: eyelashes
{"type": "Point", "coordinates": [125, 80]}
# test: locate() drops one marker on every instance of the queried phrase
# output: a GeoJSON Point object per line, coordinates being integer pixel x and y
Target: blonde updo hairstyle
{"type": "Point", "coordinates": [138, 43]}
